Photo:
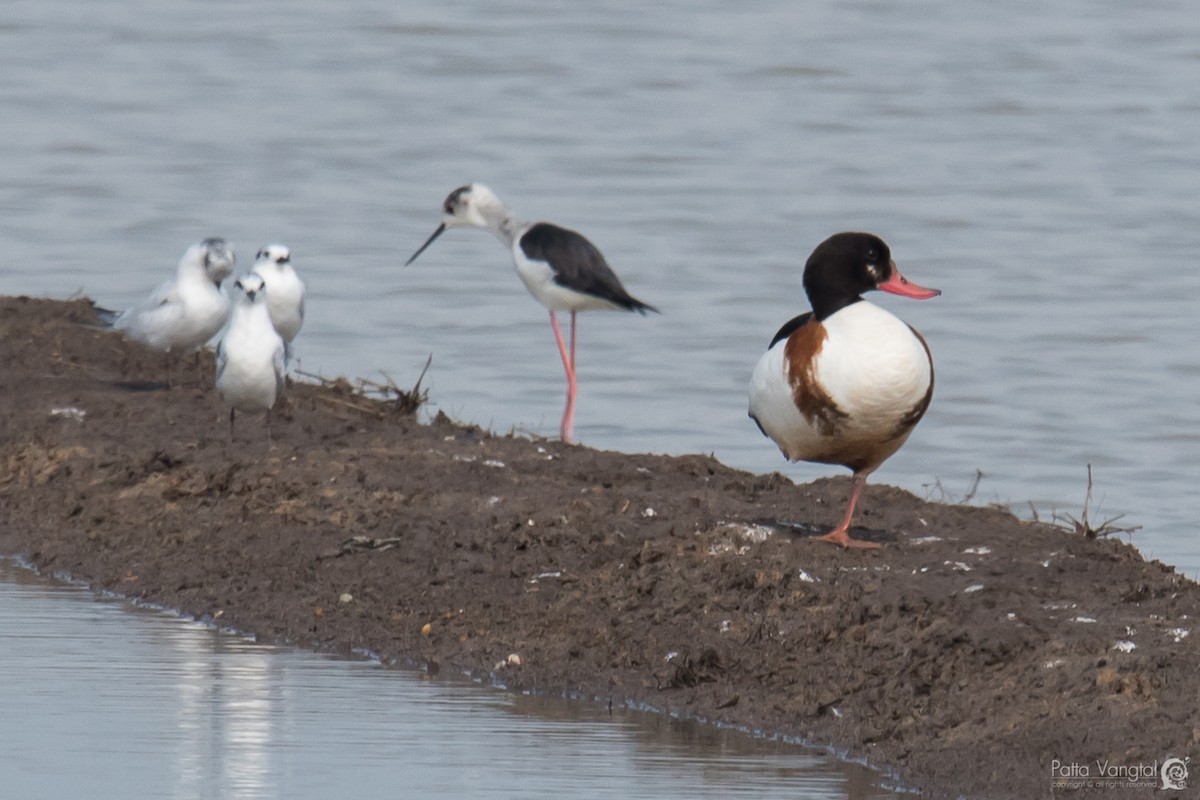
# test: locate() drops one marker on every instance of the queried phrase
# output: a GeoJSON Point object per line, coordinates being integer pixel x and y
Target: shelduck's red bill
{"type": "Point", "coordinates": [898, 284]}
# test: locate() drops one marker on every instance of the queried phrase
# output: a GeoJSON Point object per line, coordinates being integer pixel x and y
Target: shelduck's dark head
{"type": "Point", "coordinates": [847, 264]}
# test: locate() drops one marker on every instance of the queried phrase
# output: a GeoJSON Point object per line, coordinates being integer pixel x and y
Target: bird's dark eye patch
{"type": "Point", "coordinates": [455, 199]}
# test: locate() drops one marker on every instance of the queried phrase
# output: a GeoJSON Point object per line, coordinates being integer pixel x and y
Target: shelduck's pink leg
{"type": "Point", "coordinates": [841, 534]}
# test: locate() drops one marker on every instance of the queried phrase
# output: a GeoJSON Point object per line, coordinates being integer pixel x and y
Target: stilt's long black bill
{"type": "Point", "coordinates": [428, 242]}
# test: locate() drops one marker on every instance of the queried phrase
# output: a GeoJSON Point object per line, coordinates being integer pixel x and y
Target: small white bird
{"type": "Point", "coordinates": [250, 355]}
{"type": "Point", "coordinates": [182, 314]}
{"type": "Point", "coordinates": [285, 291]}
{"type": "Point", "coordinates": [559, 267]}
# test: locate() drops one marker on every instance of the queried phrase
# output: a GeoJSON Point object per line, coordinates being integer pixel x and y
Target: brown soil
{"type": "Point", "coordinates": [967, 653]}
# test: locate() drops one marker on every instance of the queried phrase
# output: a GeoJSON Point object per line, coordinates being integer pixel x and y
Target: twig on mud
{"type": "Point", "coordinates": [944, 496]}
{"type": "Point", "coordinates": [686, 672]}
{"type": "Point", "coordinates": [386, 396]}
{"type": "Point", "coordinates": [359, 544]}
{"type": "Point", "coordinates": [974, 487]}
{"type": "Point", "coordinates": [1083, 526]}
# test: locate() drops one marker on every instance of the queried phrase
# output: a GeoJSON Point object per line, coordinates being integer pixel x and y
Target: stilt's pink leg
{"type": "Point", "coordinates": [572, 342]}
{"type": "Point", "coordinates": [567, 429]}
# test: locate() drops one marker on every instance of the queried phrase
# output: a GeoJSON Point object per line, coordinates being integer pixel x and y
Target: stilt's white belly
{"type": "Point", "coordinates": [538, 278]}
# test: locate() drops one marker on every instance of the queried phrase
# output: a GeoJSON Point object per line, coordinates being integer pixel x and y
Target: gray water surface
{"type": "Point", "coordinates": [103, 700]}
{"type": "Point", "coordinates": [1038, 162]}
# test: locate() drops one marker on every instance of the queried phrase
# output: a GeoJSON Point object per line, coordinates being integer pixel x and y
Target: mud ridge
{"type": "Point", "coordinates": [968, 653]}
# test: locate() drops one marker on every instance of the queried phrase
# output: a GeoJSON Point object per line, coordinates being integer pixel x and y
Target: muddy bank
{"type": "Point", "coordinates": [967, 654]}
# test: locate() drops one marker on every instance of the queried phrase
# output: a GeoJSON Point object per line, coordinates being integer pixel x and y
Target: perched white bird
{"type": "Point", "coordinates": [250, 355]}
{"type": "Point", "coordinates": [184, 313]}
{"type": "Point", "coordinates": [285, 291]}
{"type": "Point", "coordinates": [559, 267]}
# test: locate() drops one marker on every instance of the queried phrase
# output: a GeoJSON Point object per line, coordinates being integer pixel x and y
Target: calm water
{"type": "Point", "coordinates": [1038, 162]}
{"type": "Point", "coordinates": [100, 700]}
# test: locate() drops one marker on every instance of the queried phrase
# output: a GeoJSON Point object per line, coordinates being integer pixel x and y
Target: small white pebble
{"type": "Point", "coordinates": [1058, 662]}
{"type": "Point", "coordinates": [979, 551]}
{"type": "Point", "coordinates": [1125, 646]}
{"type": "Point", "coordinates": [958, 565]}
{"type": "Point", "coordinates": [974, 587]}
{"type": "Point", "coordinates": [1010, 615]}
{"type": "Point", "coordinates": [491, 501]}
{"type": "Point", "coordinates": [1084, 619]}
{"type": "Point", "coordinates": [725, 626]}
{"type": "Point", "coordinates": [804, 576]}
{"type": "Point", "coordinates": [513, 660]}
{"type": "Point", "coordinates": [671, 656]}
{"type": "Point", "coordinates": [649, 512]}
{"type": "Point", "coordinates": [755, 533]}
{"type": "Point", "coordinates": [491, 462]}
{"type": "Point", "coordinates": [1179, 634]}
{"type": "Point", "coordinates": [541, 575]}
{"type": "Point", "coordinates": [346, 597]}
{"type": "Point", "coordinates": [926, 539]}
{"type": "Point", "coordinates": [1046, 563]}
{"type": "Point", "coordinates": [68, 411]}
{"type": "Point", "coordinates": [643, 470]}
{"type": "Point", "coordinates": [833, 710]}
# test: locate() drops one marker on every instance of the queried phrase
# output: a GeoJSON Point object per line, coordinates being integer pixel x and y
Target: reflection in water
{"type": "Point", "coordinates": [101, 703]}
{"type": "Point", "coordinates": [224, 713]}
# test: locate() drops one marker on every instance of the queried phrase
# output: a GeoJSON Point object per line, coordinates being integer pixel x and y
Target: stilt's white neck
{"type": "Point", "coordinates": [505, 228]}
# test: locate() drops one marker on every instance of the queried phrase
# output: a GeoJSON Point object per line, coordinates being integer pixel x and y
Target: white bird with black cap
{"type": "Point", "coordinates": [285, 291]}
{"type": "Point", "coordinates": [250, 365]}
{"type": "Point", "coordinates": [181, 314]}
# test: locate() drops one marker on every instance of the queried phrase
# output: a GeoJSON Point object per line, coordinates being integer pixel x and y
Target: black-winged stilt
{"type": "Point", "coordinates": [559, 267]}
